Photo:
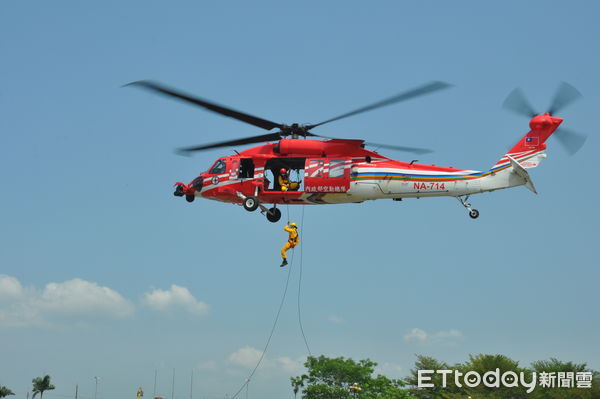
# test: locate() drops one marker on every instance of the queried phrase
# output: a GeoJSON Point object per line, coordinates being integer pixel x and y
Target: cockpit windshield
{"type": "Point", "coordinates": [218, 167]}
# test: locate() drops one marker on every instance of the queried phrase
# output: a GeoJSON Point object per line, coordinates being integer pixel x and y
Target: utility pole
{"type": "Point", "coordinates": [96, 389]}
{"type": "Point", "coordinates": [76, 390]}
{"type": "Point", "coordinates": [155, 374]}
{"type": "Point", "coordinates": [192, 384]}
{"type": "Point", "coordinates": [173, 385]}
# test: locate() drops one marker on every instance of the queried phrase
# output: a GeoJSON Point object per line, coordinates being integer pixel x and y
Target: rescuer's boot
{"type": "Point", "coordinates": [283, 263]}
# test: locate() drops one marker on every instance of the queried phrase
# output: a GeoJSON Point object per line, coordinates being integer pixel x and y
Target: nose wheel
{"type": "Point", "coordinates": [473, 213]}
{"type": "Point", "coordinates": [250, 203]}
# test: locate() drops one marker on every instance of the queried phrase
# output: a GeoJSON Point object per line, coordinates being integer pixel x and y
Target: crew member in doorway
{"type": "Point", "coordinates": [293, 240]}
{"type": "Point", "coordinates": [284, 181]}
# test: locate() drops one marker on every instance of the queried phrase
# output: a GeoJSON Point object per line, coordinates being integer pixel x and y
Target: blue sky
{"type": "Point", "coordinates": [104, 273]}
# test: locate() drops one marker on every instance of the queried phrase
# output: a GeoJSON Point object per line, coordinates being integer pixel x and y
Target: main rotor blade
{"type": "Point", "coordinates": [517, 103]}
{"type": "Point", "coordinates": [407, 95]}
{"type": "Point", "coordinates": [571, 141]}
{"type": "Point", "coordinates": [253, 120]}
{"type": "Point", "coordinates": [565, 95]}
{"type": "Point", "coordinates": [247, 140]}
{"type": "Point", "coordinates": [414, 150]}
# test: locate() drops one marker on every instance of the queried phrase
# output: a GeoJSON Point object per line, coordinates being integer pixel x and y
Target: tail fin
{"type": "Point", "coordinates": [531, 149]}
{"type": "Point", "coordinates": [521, 172]}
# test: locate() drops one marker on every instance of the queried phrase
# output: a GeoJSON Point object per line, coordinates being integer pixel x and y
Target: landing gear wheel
{"type": "Point", "coordinates": [250, 203]}
{"type": "Point", "coordinates": [190, 198]}
{"type": "Point", "coordinates": [474, 213]}
{"type": "Point", "coordinates": [273, 215]}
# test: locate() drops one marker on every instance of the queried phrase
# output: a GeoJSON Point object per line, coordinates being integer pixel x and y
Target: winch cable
{"type": "Point", "coordinates": [300, 277]}
{"type": "Point", "coordinates": [300, 282]}
{"type": "Point", "coordinates": [287, 282]}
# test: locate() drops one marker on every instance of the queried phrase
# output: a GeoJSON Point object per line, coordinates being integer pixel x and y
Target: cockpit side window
{"type": "Point", "coordinates": [218, 167]}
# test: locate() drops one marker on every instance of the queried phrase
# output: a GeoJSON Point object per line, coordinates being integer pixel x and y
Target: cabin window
{"type": "Point", "coordinates": [218, 167]}
{"type": "Point", "coordinates": [336, 168]}
{"type": "Point", "coordinates": [315, 168]}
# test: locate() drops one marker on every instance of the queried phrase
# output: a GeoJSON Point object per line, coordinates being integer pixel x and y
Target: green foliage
{"type": "Point", "coordinates": [4, 391]}
{"type": "Point", "coordinates": [428, 363]}
{"type": "Point", "coordinates": [555, 365]}
{"type": "Point", "coordinates": [483, 363]}
{"type": "Point", "coordinates": [40, 385]}
{"type": "Point", "coordinates": [330, 378]}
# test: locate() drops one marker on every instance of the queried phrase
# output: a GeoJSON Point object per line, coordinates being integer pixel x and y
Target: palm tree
{"type": "Point", "coordinates": [4, 391]}
{"type": "Point", "coordinates": [40, 385]}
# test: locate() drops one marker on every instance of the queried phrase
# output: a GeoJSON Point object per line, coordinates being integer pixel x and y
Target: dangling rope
{"type": "Point", "coordinates": [287, 282]}
{"type": "Point", "coordinates": [300, 282]}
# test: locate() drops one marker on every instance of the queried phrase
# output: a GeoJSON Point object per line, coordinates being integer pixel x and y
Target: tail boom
{"type": "Point", "coordinates": [530, 150]}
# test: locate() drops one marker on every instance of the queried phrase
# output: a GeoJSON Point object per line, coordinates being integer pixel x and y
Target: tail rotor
{"type": "Point", "coordinates": [571, 141]}
{"type": "Point", "coordinates": [517, 103]}
{"type": "Point", "coordinates": [565, 95]}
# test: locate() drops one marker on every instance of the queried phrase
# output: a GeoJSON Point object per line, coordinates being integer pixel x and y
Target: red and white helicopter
{"type": "Point", "coordinates": [338, 171]}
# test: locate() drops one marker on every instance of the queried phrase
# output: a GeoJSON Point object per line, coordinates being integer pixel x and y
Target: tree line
{"type": "Point", "coordinates": [344, 378]}
{"type": "Point", "coordinates": [40, 385]}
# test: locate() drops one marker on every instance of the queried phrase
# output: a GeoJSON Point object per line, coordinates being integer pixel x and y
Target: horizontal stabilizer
{"type": "Point", "coordinates": [522, 172]}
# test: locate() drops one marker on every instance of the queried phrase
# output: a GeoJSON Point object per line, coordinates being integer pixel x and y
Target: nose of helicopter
{"type": "Point", "coordinates": [189, 190]}
{"type": "Point", "coordinates": [197, 183]}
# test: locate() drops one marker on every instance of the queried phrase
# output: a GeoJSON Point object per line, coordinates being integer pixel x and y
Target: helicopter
{"type": "Point", "coordinates": [337, 171]}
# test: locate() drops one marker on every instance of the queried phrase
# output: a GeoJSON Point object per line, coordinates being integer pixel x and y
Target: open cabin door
{"type": "Point", "coordinates": [327, 175]}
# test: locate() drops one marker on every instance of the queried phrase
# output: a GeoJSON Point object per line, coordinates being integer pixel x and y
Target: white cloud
{"type": "Point", "coordinates": [245, 357]}
{"type": "Point", "coordinates": [176, 296]}
{"type": "Point", "coordinates": [248, 357]}
{"type": "Point", "coordinates": [418, 335]}
{"type": "Point", "coordinates": [289, 365]}
{"type": "Point", "coordinates": [336, 319]}
{"type": "Point", "coordinates": [76, 298]}
{"type": "Point", "coordinates": [10, 288]}
{"type": "Point", "coordinates": [80, 297]}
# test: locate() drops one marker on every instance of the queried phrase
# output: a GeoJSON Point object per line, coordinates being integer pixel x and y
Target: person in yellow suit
{"type": "Point", "coordinates": [293, 240]}
{"type": "Point", "coordinates": [284, 181]}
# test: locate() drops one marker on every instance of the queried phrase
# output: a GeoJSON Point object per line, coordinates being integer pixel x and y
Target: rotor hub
{"type": "Point", "coordinates": [295, 130]}
{"type": "Point", "coordinates": [545, 121]}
